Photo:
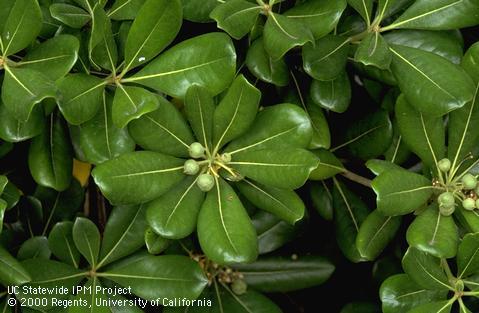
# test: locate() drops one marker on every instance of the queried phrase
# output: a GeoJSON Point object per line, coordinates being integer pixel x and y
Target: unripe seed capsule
{"type": "Point", "coordinates": [196, 150]}
{"type": "Point", "coordinates": [447, 210]}
{"type": "Point", "coordinates": [444, 165]}
{"type": "Point", "coordinates": [191, 167]}
{"type": "Point", "coordinates": [205, 182]}
{"type": "Point", "coordinates": [469, 181]}
{"type": "Point", "coordinates": [239, 287]}
{"type": "Point", "coordinates": [226, 157]}
{"type": "Point", "coordinates": [446, 199]}
{"type": "Point", "coordinates": [477, 203]}
{"type": "Point", "coordinates": [469, 204]}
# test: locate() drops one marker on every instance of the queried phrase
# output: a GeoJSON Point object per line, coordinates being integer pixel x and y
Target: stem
{"type": "Point", "coordinates": [357, 178]}
{"type": "Point", "coordinates": [462, 306]}
{"type": "Point", "coordinates": [447, 269]}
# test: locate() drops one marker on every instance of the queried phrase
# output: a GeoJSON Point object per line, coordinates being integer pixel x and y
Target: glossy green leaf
{"type": "Point", "coordinates": [225, 231]}
{"type": "Point", "coordinates": [102, 48]}
{"type": "Point", "coordinates": [60, 241]}
{"type": "Point", "coordinates": [281, 168]}
{"type": "Point", "coordinates": [272, 232]}
{"type": "Point", "coordinates": [94, 299]}
{"type": "Point", "coordinates": [374, 50]}
{"type": "Point", "coordinates": [322, 199]}
{"type": "Point", "coordinates": [334, 95]}
{"type": "Point", "coordinates": [400, 192]}
{"type": "Point", "coordinates": [50, 156]}
{"type": "Point", "coordinates": [34, 247]}
{"type": "Point", "coordinates": [193, 61]}
{"type": "Point", "coordinates": [81, 97]}
{"type": "Point", "coordinates": [154, 28]}
{"type": "Point", "coordinates": [387, 8]}
{"type": "Point", "coordinates": [282, 125]}
{"type": "Point", "coordinates": [434, 307]}
{"type": "Point", "coordinates": [155, 243]}
{"type": "Point", "coordinates": [375, 233]}
{"type": "Point", "coordinates": [163, 130]}
{"type": "Point", "coordinates": [198, 11]}
{"type": "Point", "coordinates": [100, 139]}
{"type": "Point", "coordinates": [364, 8]}
{"type": "Point", "coordinates": [400, 294]}
{"type": "Point", "coordinates": [153, 277]}
{"type": "Point", "coordinates": [379, 166]}
{"type": "Point", "coordinates": [131, 103]}
{"type": "Point", "coordinates": [174, 214]}
{"type": "Point", "coordinates": [432, 84]}
{"type": "Point", "coordinates": [423, 134]}
{"type": "Point", "coordinates": [69, 15]}
{"type": "Point", "coordinates": [360, 307]}
{"type": "Point", "coordinates": [236, 17]}
{"type": "Point", "coordinates": [273, 274]}
{"type": "Point", "coordinates": [123, 233]}
{"type": "Point", "coordinates": [349, 213]}
{"type": "Point", "coordinates": [21, 27]}
{"type": "Point", "coordinates": [54, 58]}
{"type": "Point", "coordinates": [251, 301]}
{"type": "Point", "coordinates": [137, 177]}
{"type": "Point", "coordinates": [467, 258]}
{"type": "Point", "coordinates": [425, 270]}
{"type": "Point", "coordinates": [3, 208]}
{"type": "Point", "coordinates": [13, 130]}
{"type": "Point", "coordinates": [281, 34]}
{"type": "Point", "coordinates": [440, 14]}
{"type": "Point", "coordinates": [285, 204]}
{"type": "Point", "coordinates": [321, 134]}
{"type": "Point", "coordinates": [328, 165]}
{"type": "Point", "coordinates": [261, 65]}
{"type": "Point", "coordinates": [199, 109]}
{"type": "Point", "coordinates": [11, 271]}
{"type": "Point", "coordinates": [5, 11]}
{"type": "Point", "coordinates": [87, 239]}
{"type": "Point", "coordinates": [470, 61]}
{"type": "Point", "coordinates": [23, 88]}
{"type": "Point", "coordinates": [321, 17]}
{"type": "Point", "coordinates": [125, 9]}
{"type": "Point", "coordinates": [468, 219]}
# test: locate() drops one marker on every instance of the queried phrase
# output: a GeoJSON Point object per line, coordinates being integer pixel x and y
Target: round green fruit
{"type": "Point", "coordinates": [447, 211]}
{"type": "Point", "coordinates": [446, 199]}
{"type": "Point", "coordinates": [469, 181]}
{"type": "Point", "coordinates": [239, 287]}
{"type": "Point", "coordinates": [205, 182]}
{"type": "Point", "coordinates": [196, 150]}
{"type": "Point", "coordinates": [191, 167]}
{"type": "Point", "coordinates": [444, 165]}
{"type": "Point", "coordinates": [469, 204]}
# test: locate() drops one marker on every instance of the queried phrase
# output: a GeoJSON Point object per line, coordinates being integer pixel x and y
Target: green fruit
{"type": "Point", "coordinates": [477, 203]}
{"type": "Point", "coordinates": [239, 287]}
{"type": "Point", "coordinates": [444, 165]}
{"type": "Point", "coordinates": [191, 167]}
{"type": "Point", "coordinates": [446, 199]}
{"type": "Point", "coordinates": [205, 182]}
{"type": "Point", "coordinates": [225, 158]}
{"type": "Point", "coordinates": [469, 181]}
{"type": "Point", "coordinates": [447, 211]}
{"type": "Point", "coordinates": [469, 204]}
{"type": "Point", "coordinates": [459, 285]}
{"type": "Point", "coordinates": [196, 150]}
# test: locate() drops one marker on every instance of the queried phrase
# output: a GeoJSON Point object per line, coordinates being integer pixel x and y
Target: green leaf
{"type": "Point", "coordinates": [125, 9]}
{"type": "Point", "coordinates": [326, 59]}
{"type": "Point", "coordinates": [434, 233]}
{"type": "Point", "coordinates": [273, 274]}
{"type": "Point", "coordinates": [34, 247]}
{"type": "Point", "coordinates": [432, 84]}
{"type": "Point", "coordinates": [81, 97]}
{"type": "Point", "coordinates": [137, 177]}
{"type": "Point", "coordinates": [322, 199]}
{"type": "Point", "coordinates": [21, 27]}
{"type": "Point", "coordinates": [333, 95]}
{"type": "Point", "coordinates": [69, 15]}
{"type": "Point", "coordinates": [193, 61]}
{"type": "Point", "coordinates": [468, 219]}
{"type": "Point", "coordinates": [328, 165]}
{"type": "Point", "coordinates": [11, 271]}
{"type": "Point", "coordinates": [50, 156]}
{"type": "Point", "coordinates": [387, 8]}
{"type": "Point", "coordinates": [225, 232]}
{"type": "Point", "coordinates": [235, 113]}
{"type": "Point", "coordinates": [5, 11]}
{"type": "Point", "coordinates": [54, 58]}
{"type": "Point", "coordinates": [370, 136]}
{"type": "Point", "coordinates": [174, 214]}
{"type": "Point", "coordinates": [379, 166]}
{"type": "Point", "coordinates": [272, 232]}
{"type": "Point", "coordinates": [100, 139]}
{"type": "Point", "coordinates": [423, 134]}
{"type": "Point", "coordinates": [438, 15]}
{"type": "Point", "coordinates": [400, 192]}
{"type": "Point", "coordinates": [434, 307]}
{"type": "Point", "coordinates": [281, 168]}
{"type": "Point", "coordinates": [23, 88]}
{"type": "Point", "coordinates": [281, 34]}
{"type": "Point", "coordinates": [425, 270]}
{"type": "Point", "coordinates": [375, 234]}
{"type": "Point", "coordinates": [374, 50]}
{"type": "Point", "coordinates": [467, 258]}
{"type": "Point", "coordinates": [92, 298]}
{"type": "Point", "coordinates": [155, 243]}
{"type": "Point", "coordinates": [236, 17]}
{"type": "Point", "coordinates": [131, 103]}
{"type": "Point", "coordinates": [321, 17]}
{"type": "Point", "coordinates": [154, 28]}
{"type": "Point", "coordinates": [87, 239]}
{"type": "Point", "coordinates": [285, 204]}
{"type": "Point", "coordinates": [360, 307]}
{"type": "Point", "coordinates": [446, 44]}
{"type": "Point", "coordinates": [470, 61]}
{"type": "Point", "coordinates": [199, 12]}
{"type": "Point", "coordinates": [60, 241]}
{"type": "Point", "coordinates": [400, 294]}
{"type": "Point", "coordinates": [321, 134]}
{"type": "Point", "coordinates": [153, 277]}
{"type": "Point", "coordinates": [3, 207]}
{"type": "Point", "coordinates": [199, 109]}
{"type": "Point", "coordinates": [280, 126]}
{"type": "Point", "coordinates": [364, 8]}
{"type": "Point", "coordinates": [261, 65]}
{"type": "Point", "coordinates": [123, 233]}
{"type": "Point", "coordinates": [102, 48]}
{"type": "Point", "coordinates": [163, 130]}
{"type": "Point", "coordinates": [13, 130]}
{"type": "Point", "coordinates": [349, 213]}
{"type": "Point", "coordinates": [251, 301]}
